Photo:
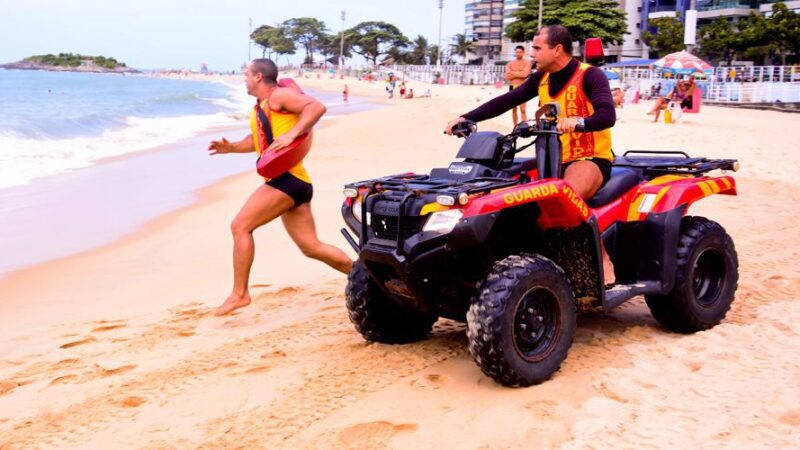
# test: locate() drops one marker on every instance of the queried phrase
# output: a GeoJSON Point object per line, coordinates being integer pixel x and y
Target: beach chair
{"type": "Point", "coordinates": [697, 97]}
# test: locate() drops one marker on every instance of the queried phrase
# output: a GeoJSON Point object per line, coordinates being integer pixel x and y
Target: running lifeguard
{"type": "Point", "coordinates": [289, 114]}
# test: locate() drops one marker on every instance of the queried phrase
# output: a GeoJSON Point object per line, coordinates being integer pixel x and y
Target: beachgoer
{"type": "Point", "coordinates": [288, 196]}
{"type": "Point", "coordinates": [410, 94]}
{"type": "Point", "coordinates": [403, 89]}
{"type": "Point", "coordinates": [517, 71]}
{"type": "Point", "coordinates": [427, 93]}
{"type": "Point", "coordinates": [677, 94]}
{"type": "Point", "coordinates": [689, 89]}
{"type": "Point", "coordinates": [618, 96]}
{"type": "Point", "coordinates": [346, 93]}
{"type": "Point", "coordinates": [586, 156]}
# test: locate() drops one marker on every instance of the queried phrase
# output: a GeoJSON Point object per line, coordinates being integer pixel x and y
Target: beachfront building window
{"type": "Point", "coordinates": [484, 25]}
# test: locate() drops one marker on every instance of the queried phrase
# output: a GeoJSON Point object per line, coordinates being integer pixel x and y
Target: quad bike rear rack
{"type": "Point", "coordinates": [665, 163]}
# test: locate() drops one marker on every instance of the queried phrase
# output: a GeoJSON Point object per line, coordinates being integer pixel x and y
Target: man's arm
{"type": "Point", "coordinates": [309, 109]}
{"type": "Point", "coordinates": [595, 84]}
{"type": "Point", "coordinates": [498, 105]}
{"type": "Point", "coordinates": [223, 146]}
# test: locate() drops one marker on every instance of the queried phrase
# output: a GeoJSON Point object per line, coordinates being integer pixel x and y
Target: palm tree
{"type": "Point", "coordinates": [461, 46]}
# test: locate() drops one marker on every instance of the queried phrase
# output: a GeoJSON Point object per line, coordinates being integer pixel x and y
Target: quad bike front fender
{"type": "Point", "coordinates": [560, 206]}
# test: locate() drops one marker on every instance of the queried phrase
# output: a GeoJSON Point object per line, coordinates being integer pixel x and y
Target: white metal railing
{"type": "Point", "coordinates": [454, 74]}
{"type": "Point", "coordinates": [745, 74]}
{"type": "Point", "coordinates": [725, 92]}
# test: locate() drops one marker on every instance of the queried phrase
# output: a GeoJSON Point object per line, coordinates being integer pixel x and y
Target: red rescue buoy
{"type": "Point", "coordinates": [274, 163]}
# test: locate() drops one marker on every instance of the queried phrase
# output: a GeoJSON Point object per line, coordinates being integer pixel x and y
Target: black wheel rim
{"type": "Point", "coordinates": [537, 322]}
{"type": "Point", "coordinates": [708, 277]}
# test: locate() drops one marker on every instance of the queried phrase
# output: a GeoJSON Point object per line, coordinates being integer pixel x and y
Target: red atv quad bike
{"type": "Point", "coordinates": [505, 245]}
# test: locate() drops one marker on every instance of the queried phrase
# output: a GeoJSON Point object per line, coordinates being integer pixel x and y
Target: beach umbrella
{"type": "Point", "coordinates": [611, 75]}
{"type": "Point", "coordinates": [682, 63]}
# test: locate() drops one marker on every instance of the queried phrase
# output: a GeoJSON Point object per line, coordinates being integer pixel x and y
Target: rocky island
{"type": "Point", "coordinates": [68, 62]}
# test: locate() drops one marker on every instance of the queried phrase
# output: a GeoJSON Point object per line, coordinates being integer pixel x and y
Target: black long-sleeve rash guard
{"type": "Point", "coordinates": [595, 84]}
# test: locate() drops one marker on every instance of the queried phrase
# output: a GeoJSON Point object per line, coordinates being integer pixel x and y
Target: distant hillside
{"type": "Point", "coordinates": [70, 62]}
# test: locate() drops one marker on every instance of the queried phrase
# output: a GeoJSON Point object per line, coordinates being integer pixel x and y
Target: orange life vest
{"type": "Point", "coordinates": [574, 102]}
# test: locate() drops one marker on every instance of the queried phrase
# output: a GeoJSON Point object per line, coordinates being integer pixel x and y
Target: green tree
{"type": "Point", "coordinates": [433, 54]}
{"type": "Point", "coordinates": [668, 37]}
{"type": "Point", "coordinates": [583, 19]}
{"type": "Point", "coordinates": [374, 39]}
{"type": "Point", "coordinates": [273, 40]}
{"type": "Point", "coordinates": [331, 46]}
{"type": "Point", "coordinates": [783, 28]}
{"type": "Point", "coordinates": [718, 40]}
{"type": "Point", "coordinates": [419, 50]}
{"type": "Point", "coordinates": [461, 46]}
{"type": "Point", "coordinates": [306, 31]}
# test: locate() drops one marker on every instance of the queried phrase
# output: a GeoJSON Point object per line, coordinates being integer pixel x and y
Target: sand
{"type": "Point", "coordinates": [117, 347]}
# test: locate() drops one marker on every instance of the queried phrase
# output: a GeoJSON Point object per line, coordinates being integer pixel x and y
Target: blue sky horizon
{"type": "Point", "coordinates": [182, 34]}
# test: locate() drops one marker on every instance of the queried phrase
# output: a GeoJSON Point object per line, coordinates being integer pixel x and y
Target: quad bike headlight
{"type": "Point", "coordinates": [357, 209]}
{"type": "Point", "coordinates": [443, 221]}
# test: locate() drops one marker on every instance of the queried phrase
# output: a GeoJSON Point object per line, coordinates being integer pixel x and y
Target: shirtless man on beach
{"type": "Point", "coordinates": [289, 195]}
{"type": "Point", "coordinates": [517, 71]}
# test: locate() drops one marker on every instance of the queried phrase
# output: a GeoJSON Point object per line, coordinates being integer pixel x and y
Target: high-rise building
{"type": "Point", "coordinates": [484, 26]}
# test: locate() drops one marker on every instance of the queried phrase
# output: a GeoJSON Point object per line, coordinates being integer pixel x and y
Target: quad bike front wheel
{"type": "Point", "coordinates": [377, 317]}
{"type": "Point", "coordinates": [521, 322]}
{"type": "Point", "coordinates": [707, 273]}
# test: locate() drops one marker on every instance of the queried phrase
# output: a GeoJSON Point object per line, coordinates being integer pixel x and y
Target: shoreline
{"type": "Point", "coordinates": [178, 196]}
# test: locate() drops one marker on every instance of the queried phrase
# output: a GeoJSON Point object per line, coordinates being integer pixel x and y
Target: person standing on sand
{"type": "Point", "coordinates": [287, 196]}
{"type": "Point", "coordinates": [517, 71]}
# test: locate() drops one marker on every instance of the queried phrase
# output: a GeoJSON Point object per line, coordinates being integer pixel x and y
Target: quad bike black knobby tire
{"type": "Point", "coordinates": [705, 280]}
{"type": "Point", "coordinates": [522, 321]}
{"type": "Point", "coordinates": [377, 317]}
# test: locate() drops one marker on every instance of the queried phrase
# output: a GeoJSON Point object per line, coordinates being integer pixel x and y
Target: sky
{"type": "Point", "coordinates": [161, 34]}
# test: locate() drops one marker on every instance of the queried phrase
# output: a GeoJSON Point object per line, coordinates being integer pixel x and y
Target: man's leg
{"type": "Point", "coordinates": [586, 179]}
{"type": "Point", "coordinates": [523, 112]}
{"type": "Point", "coordinates": [264, 205]}
{"type": "Point", "coordinates": [300, 224]}
{"type": "Point", "coordinates": [514, 115]}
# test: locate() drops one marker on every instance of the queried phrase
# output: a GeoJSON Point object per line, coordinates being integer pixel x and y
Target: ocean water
{"type": "Point", "coordinates": [52, 122]}
{"type": "Point", "coordinates": [59, 192]}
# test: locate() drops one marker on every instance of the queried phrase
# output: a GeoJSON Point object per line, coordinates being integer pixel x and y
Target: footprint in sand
{"type": "Point", "coordinates": [64, 379]}
{"type": "Point", "coordinates": [372, 434]}
{"type": "Point", "coordinates": [431, 381]}
{"type": "Point", "coordinates": [6, 386]}
{"type": "Point", "coordinates": [115, 371]}
{"type": "Point", "coordinates": [79, 342]}
{"type": "Point", "coordinates": [107, 328]}
{"type": "Point", "coordinates": [132, 402]}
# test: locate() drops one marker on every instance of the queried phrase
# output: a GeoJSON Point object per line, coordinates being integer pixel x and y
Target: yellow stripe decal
{"type": "Point", "coordinates": [432, 207]}
{"type": "Point", "coordinates": [703, 187]}
{"type": "Point", "coordinates": [727, 183]}
{"type": "Point", "coordinates": [658, 197]}
{"type": "Point", "coordinates": [633, 212]}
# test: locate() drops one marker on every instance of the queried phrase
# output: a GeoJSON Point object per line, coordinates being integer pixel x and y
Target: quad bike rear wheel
{"type": "Point", "coordinates": [522, 321]}
{"type": "Point", "coordinates": [707, 273]}
{"type": "Point", "coordinates": [377, 317]}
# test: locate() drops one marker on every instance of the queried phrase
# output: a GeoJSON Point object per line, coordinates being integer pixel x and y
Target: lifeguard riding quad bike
{"type": "Point", "coordinates": [505, 245]}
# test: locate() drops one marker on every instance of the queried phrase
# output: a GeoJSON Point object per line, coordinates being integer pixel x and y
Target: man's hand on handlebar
{"type": "Point", "coordinates": [449, 127]}
{"type": "Point", "coordinates": [569, 125]}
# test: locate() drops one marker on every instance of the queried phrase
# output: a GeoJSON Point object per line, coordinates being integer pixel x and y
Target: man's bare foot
{"type": "Point", "coordinates": [233, 303]}
{"type": "Point", "coordinates": [608, 271]}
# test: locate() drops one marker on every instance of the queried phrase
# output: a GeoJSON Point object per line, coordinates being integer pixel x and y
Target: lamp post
{"type": "Point", "coordinates": [249, 38]}
{"type": "Point", "coordinates": [341, 45]}
{"type": "Point", "coordinates": [540, 14]}
{"type": "Point", "coordinates": [439, 46]}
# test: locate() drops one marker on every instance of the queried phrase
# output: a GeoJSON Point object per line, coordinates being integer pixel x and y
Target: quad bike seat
{"type": "Point", "coordinates": [621, 181]}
